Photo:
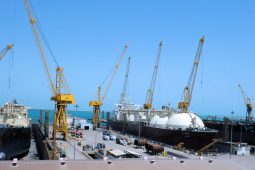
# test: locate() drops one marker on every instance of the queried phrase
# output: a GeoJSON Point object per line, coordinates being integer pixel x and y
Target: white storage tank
{"type": "Point", "coordinates": [116, 116]}
{"type": "Point", "coordinates": [154, 119]}
{"type": "Point", "coordinates": [161, 123]}
{"type": "Point", "coordinates": [142, 116]}
{"type": "Point", "coordinates": [131, 118]}
{"type": "Point", "coordinates": [184, 121]}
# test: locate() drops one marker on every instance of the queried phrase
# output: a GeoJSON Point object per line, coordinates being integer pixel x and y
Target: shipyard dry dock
{"type": "Point", "coordinates": [79, 157]}
{"type": "Point", "coordinates": [91, 144]}
{"type": "Point", "coordinates": [85, 148]}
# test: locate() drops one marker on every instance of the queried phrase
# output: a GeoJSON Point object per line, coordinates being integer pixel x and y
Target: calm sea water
{"type": "Point", "coordinates": [34, 114]}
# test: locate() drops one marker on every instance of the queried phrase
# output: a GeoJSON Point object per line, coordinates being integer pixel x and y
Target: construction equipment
{"type": "Point", "coordinates": [96, 104]}
{"type": "Point", "coordinates": [124, 90]}
{"type": "Point", "coordinates": [179, 145]}
{"type": "Point", "coordinates": [5, 50]}
{"type": "Point", "coordinates": [187, 92]}
{"type": "Point", "coordinates": [214, 141]}
{"type": "Point", "coordinates": [61, 99]}
{"type": "Point", "coordinates": [149, 97]}
{"type": "Point", "coordinates": [248, 103]}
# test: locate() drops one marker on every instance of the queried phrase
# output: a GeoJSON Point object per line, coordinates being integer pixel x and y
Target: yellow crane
{"type": "Point", "coordinates": [187, 92]}
{"type": "Point", "coordinates": [248, 103]}
{"type": "Point", "coordinates": [150, 92]}
{"type": "Point", "coordinates": [124, 90]}
{"type": "Point", "coordinates": [96, 104]}
{"type": "Point", "coordinates": [5, 50]}
{"type": "Point", "coordinates": [61, 99]}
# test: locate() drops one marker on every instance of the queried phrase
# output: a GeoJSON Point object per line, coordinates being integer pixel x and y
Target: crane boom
{"type": "Point", "coordinates": [150, 92]}
{"type": "Point", "coordinates": [124, 90]}
{"type": "Point", "coordinates": [96, 104]}
{"type": "Point", "coordinates": [61, 99]}
{"type": "Point", "coordinates": [41, 50]}
{"type": "Point", "coordinates": [5, 50]}
{"type": "Point", "coordinates": [114, 72]}
{"type": "Point", "coordinates": [248, 103]}
{"type": "Point", "coordinates": [188, 90]}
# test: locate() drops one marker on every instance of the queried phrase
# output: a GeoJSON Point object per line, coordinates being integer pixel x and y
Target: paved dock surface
{"type": "Point", "coordinates": [92, 137]}
{"type": "Point", "coordinates": [125, 164]}
{"type": "Point", "coordinates": [175, 159]}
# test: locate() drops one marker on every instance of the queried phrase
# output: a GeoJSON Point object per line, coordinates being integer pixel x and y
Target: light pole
{"type": "Point", "coordinates": [75, 129]}
{"type": "Point", "coordinates": [231, 134]}
{"type": "Point", "coordinates": [241, 133]}
{"type": "Point", "coordinates": [74, 138]}
{"type": "Point", "coordinates": [139, 128]}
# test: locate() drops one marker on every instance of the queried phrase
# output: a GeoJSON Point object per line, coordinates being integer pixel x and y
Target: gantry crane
{"type": "Point", "coordinates": [149, 97]}
{"type": "Point", "coordinates": [96, 104]}
{"type": "Point", "coordinates": [5, 50]}
{"type": "Point", "coordinates": [248, 103]}
{"type": "Point", "coordinates": [61, 99]}
{"type": "Point", "coordinates": [124, 90]}
{"type": "Point", "coordinates": [187, 92]}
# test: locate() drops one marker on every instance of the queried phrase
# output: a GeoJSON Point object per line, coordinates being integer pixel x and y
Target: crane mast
{"type": "Point", "coordinates": [150, 92]}
{"type": "Point", "coordinates": [61, 99]}
{"type": "Point", "coordinates": [187, 92]}
{"type": "Point", "coordinates": [5, 50]}
{"type": "Point", "coordinates": [248, 103]}
{"type": "Point", "coordinates": [124, 90]}
{"type": "Point", "coordinates": [96, 104]}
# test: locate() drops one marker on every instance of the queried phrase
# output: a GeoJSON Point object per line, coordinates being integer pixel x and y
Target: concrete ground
{"type": "Point", "coordinates": [91, 137]}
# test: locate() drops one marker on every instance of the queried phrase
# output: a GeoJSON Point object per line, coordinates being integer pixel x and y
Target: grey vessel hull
{"type": "Point", "coordinates": [191, 139]}
{"type": "Point", "coordinates": [14, 141]}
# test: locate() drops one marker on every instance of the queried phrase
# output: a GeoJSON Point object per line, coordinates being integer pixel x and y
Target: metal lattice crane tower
{"type": "Point", "coordinates": [150, 92]}
{"type": "Point", "coordinates": [124, 90]}
{"type": "Point", "coordinates": [187, 92]}
{"type": "Point", "coordinates": [61, 99]}
{"type": "Point", "coordinates": [5, 50]}
{"type": "Point", "coordinates": [248, 103]}
{"type": "Point", "coordinates": [96, 104]}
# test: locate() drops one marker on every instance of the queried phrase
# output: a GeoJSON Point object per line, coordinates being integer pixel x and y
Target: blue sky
{"type": "Point", "coordinates": [87, 38]}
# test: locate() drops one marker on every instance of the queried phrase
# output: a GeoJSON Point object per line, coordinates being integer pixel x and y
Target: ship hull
{"type": "Point", "coordinates": [14, 141]}
{"type": "Point", "coordinates": [241, 132]}
{"type": "Point", "coordinates": [191, 139]}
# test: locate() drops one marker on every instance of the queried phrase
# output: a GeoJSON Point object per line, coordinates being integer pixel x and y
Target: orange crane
{"type": "Point", "coordinates": [187, 92]}
{"type": "Point", "coordinates": [248, 103]}
{"type": "Point", "coordinates": [61, 99]}
{"type": "Point", "coordinates": [5, 50]}
{"type": "Point", "coordinates": [124, 90]}
{"type": "Point", "coordinates": [150, 92]}
{"type": "Point", "coordinates": [96, 104]}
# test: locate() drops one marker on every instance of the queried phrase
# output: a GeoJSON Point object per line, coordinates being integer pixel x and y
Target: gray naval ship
{"type": "Point", "coordinates": [15, 131]}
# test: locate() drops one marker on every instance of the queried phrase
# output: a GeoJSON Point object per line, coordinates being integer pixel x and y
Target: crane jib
{"type": "Point", "coordinates": [187, 92]}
